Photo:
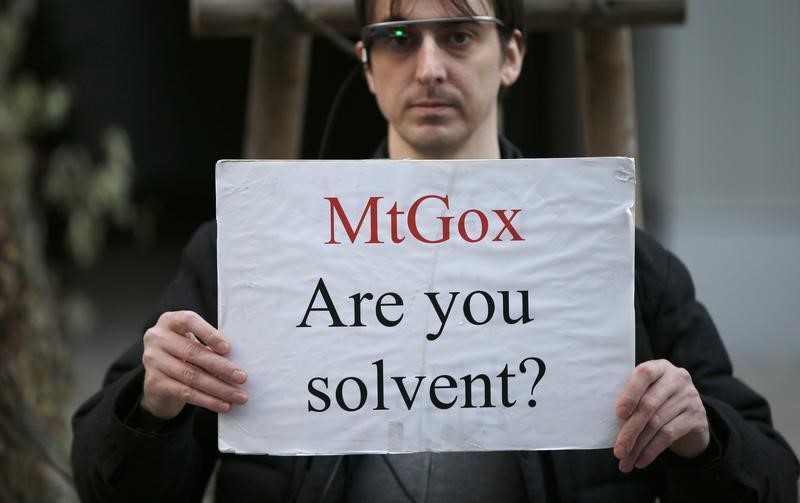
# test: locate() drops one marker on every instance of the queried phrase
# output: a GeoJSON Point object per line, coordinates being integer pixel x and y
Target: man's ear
{"type": "Point", "coordinates": [512, 63]}
{"type": "Point", "coordinates": [360, 54]}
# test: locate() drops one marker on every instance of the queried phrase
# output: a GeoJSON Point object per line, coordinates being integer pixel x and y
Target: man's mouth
{"type": "Point", "coordinates": [432, 107]}
{"type": "Point", "coordinates": [431, 104]}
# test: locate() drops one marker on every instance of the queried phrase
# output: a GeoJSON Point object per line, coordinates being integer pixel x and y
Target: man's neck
{"type": "Point", "coordinates": [480, 146]}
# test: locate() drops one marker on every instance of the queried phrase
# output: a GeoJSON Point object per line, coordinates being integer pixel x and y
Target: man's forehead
{"type": "Point", "coordinates": [390, 10]}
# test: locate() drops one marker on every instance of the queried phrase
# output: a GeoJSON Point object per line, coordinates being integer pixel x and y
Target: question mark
{"type": "Point", "coordinates": [542, 368]}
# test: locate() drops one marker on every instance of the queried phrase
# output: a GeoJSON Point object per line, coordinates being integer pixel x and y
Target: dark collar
{"type": "Point", "coordinates": [507, 149]}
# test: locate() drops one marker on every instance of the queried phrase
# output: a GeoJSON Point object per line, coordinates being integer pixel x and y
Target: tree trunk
{"type": "Point", "coordinates": [34, 363]}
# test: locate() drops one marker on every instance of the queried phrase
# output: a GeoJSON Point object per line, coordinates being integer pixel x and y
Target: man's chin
{"type": "Point", "coordinates": [432, 140]}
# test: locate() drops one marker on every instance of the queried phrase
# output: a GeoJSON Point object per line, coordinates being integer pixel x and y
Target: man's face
{"type": "Point", "coordinates": [440, 94]}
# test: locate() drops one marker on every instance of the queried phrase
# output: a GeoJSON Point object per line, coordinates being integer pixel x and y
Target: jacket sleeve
{"type": "Point", "coordinates": [747, 459]}
{"type": "Point", "coordinates": [112, 460]}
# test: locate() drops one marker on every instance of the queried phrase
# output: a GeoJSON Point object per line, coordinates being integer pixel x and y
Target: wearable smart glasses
{"type": "Point", "coordinates": [401, 37]}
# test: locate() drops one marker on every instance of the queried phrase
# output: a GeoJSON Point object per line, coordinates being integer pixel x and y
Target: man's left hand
{"type": "Point", "coordinates": [661, 409]}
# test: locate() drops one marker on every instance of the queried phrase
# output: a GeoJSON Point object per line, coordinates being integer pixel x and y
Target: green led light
{"type": "Point", "coordinates": [399, 32]}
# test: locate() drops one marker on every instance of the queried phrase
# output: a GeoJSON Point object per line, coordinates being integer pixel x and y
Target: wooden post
{"type": "Point", "coordinates": [605, 63]}
{"type": "Point", "coordinates": [277, 94]}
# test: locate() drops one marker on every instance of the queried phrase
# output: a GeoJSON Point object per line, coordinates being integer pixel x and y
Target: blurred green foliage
{"type": "Point", "coordinates": [90, 195]}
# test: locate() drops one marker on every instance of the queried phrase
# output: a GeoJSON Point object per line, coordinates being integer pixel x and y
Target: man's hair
{"type": "Point", "coordinates": [510, 12]}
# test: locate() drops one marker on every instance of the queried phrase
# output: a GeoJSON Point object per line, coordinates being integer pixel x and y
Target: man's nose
{"type": "Point", "coordinates": [430, 61]}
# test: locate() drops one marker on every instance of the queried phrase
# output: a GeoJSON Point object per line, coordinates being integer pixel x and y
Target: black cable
{"type": "Point", "coordinates": [397, 479]}
{"type": "Point", "coordinates": [332, 477]}
{"type": "Point", "coordinates": [323, 29]}
{"type": "Point", "coordinates": [327, 32]}
{"type": "Point", "coordinates": [300, 479]}
{"type": "Point", "coordinates": [428, 477]}
{"type": "Point", "coordinates": [323, 145]}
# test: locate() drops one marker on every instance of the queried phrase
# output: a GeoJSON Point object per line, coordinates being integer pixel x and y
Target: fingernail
{"type": "Point", "coordinates": [239, 376]}
{"type": "Point", "coordinates": [240, 397]}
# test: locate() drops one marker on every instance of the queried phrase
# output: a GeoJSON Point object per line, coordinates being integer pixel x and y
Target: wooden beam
{"type": "Point", "coordinates": [559, 14]}
{"type": "Point", "coordinates": [246, 17]}
{"type": "Point", "coordinates": [241, 18]}
{"type": "Point", "coordinates": [605, 65]}
{"type": "Point", "coordinates": [277, 94]}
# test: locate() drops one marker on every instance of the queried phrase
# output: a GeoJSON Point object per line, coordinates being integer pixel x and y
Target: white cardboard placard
{"type": "Point", "coordinates": [479, 305]}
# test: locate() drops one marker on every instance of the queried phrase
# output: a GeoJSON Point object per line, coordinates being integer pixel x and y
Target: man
{"type": "Point", "coordinates": [689, 431]}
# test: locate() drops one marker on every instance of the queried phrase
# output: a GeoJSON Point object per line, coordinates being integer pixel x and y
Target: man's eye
{"type": "Point", "coordinates": [400, 36]}
{"type": "Point", "coordinates": [460, 38]}
{"type": "Point", "coordinates": [399, 39]}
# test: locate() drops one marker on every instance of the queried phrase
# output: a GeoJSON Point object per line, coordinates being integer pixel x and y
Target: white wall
{"type": "Point", "coordinates": [719, 117]}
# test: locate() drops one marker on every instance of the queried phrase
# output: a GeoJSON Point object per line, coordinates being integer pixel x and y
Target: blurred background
{"type": "Point", "coordinates": [113, 115]}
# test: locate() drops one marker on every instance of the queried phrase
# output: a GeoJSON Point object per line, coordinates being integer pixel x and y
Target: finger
{"type": "Point", "coordinates": [669, 411]}
{"type": "Point", "coordinates": [668, 434]}
{"type": "Point", "coordinates": [640, 379]}
{"type": "Point", "coordinates": [656, 395]}
{"type": "Point", "coordinates": [175, 389]}
{"type": "Point", "coordinates": [197, 354]}
{"type": "Point", "coordinates": [186, 322]}
{"type": "Point", "coordinates": [197, 378]}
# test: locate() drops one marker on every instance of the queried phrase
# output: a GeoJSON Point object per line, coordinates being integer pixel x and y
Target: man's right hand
{"type": "Point", "coordinates": [184, 363]}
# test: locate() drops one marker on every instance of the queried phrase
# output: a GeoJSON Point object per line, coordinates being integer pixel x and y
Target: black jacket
{"type": "Point", "coordinates": [747, 460]}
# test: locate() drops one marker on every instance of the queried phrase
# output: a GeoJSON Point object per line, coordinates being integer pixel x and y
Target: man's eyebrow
{"type": "Point", "coordinates": [392, 19]}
